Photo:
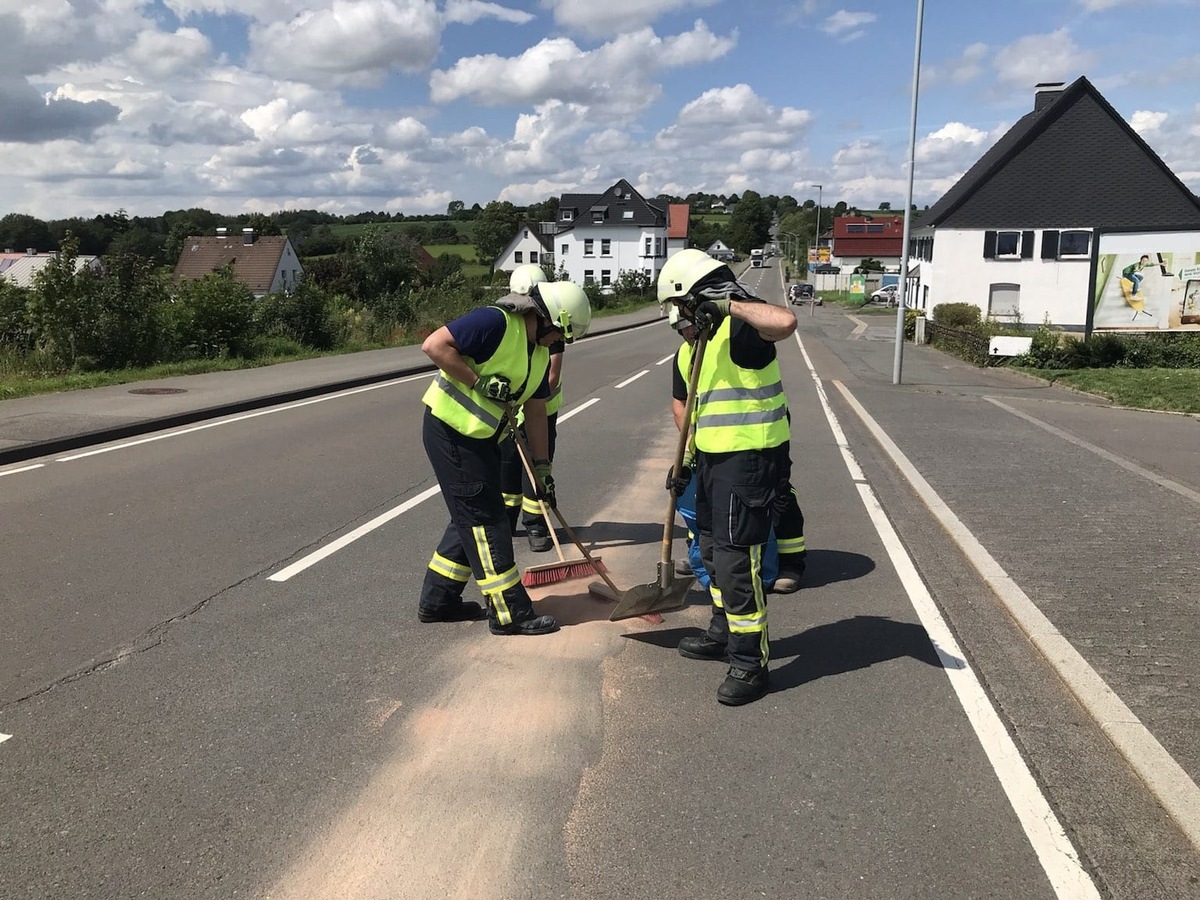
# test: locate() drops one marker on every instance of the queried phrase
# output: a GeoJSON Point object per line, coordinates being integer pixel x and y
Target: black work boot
{"type": "Point", "coordinates": [741, 686]}
{"type": "Point", "coordinates": [531, 624]}
{"type": "Point", "coordinates": [701, 646]}
{"type": "Point", "coordinates": [539, 537]}
{"type": "Point", "coordinates": [463, 611]}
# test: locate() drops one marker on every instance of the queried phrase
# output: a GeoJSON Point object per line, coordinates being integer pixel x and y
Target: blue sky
{"type": "Point", "coordinates": [405, 105]}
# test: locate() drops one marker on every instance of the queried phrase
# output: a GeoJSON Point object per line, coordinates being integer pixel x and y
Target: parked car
{"type": "Point", "coordinates": [888, 294]}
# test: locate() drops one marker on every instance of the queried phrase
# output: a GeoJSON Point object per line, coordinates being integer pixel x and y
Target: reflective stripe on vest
{"type": "Point", "coordinates": [736, 408]}
{"type": "Point", "coordinates": [469, 412]}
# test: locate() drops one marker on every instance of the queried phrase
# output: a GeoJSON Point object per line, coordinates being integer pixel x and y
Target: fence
{"type": "Point", "coordinates": [963, 344]}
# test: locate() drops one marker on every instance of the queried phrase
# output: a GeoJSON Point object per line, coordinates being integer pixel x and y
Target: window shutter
{"type": "Point", "coordinates": [989, 245]}
{"type": "Point", "coordinates": [1026, 245]}
{"type": "Point", "coordinates": [1049, 245]}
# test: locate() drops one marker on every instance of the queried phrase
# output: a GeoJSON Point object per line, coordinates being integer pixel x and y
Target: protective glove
{"type": "Point", "coordinates": [541, 468]}
{"type": "Point", "coordinates": [678, 484]}
{"type": "Point", "coordinates": [709, 313]}
{"type": "Point", "coordinates": [495, 387]}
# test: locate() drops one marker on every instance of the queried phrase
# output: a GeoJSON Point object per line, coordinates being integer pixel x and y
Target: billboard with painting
{"type": "Point", "coordinates": [1147, 282]}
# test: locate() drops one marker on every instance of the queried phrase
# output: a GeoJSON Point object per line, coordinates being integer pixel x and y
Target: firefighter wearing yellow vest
{"type": "Point", "coordinates": [488, 359]}
{"type": "Point", "coordinates": [519, 494]}
{"type": "Point", "coordinates": [741, 459]}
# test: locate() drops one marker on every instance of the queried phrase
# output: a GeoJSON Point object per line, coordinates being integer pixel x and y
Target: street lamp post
{"type": "Point", "coordinates": [902, 299]}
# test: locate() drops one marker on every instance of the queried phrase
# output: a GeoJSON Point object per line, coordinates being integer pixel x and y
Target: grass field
{"type": "Point", "coordinates": [1168, 390]}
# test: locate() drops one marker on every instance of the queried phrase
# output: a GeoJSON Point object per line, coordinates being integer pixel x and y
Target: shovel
{"type": "Point", "coordinates": [668, 592]}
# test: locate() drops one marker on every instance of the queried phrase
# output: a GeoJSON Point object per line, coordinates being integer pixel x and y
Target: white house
{"type": "Point", "coordinates": [529, 245]}
{"type": "Point", "coordinates": [266, 264]}
{"type": "Point", "coordinates": [718, 249]}
{"type": "Point", "coordinates": [1048, 221]}
{"type": "Point", "coordinates": [602, 235]}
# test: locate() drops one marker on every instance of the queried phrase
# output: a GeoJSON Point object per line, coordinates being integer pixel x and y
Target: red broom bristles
{"type": "Point", "coordinates": [553, 573]}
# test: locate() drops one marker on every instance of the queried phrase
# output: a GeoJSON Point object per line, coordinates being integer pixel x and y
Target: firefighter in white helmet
{"type": "Point", "coordinates": [741, 458]}
{"type": "Point", "coordinates": [488, 359]}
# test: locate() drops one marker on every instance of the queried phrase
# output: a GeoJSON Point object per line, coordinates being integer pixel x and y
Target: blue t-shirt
{"type": "Point", "coordinates": [478, 335]}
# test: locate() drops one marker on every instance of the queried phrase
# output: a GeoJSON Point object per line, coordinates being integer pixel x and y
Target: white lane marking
{"type": "Point", "coordinates": [22, 469]}
{"type": "Point", "coordinates": [665, 359]}
{"type": "Point", "coordinates": [578, 409]}
{"type": "Point", "coordinates": [632, 379]}
{"type": "Point", "coordinates": [4, 737]}
{"type": "Point", "coordinates": [345, 540]}
{"type": "Point", "coordinates": [242, 418]}
{"type": "Point", "coordinates": [860, 327]}
{"type": "Point", "coordinates": [1046, 836]}
{"type": "Point", "coordinates": [366, 528]}
{"type": "Point", "coordinates": [1121, 461]}
{"type": "Point", "coordinates": [1166, 779]}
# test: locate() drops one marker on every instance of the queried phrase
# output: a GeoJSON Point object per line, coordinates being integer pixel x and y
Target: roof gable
{"type": "Point", "coordinates": [254, 265]}
{"type": "Point", "coordinates": [621, 204]}
{"type": "Point", "coordinates": [678, 220]}
{"type": "Point", "coordinates": [1074, 162]}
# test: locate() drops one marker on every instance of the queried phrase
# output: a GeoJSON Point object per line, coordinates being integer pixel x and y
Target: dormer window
{"type": "Point", "coordinates": [567, 215]}
{"type": "Point", "coordinates": [597, 217]}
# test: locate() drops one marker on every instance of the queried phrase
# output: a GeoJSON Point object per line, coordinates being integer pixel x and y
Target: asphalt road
{"type": "Point", "coordinates": [182, 725]}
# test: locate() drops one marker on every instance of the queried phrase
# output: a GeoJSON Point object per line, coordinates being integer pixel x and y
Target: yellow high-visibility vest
{"type": "Point", "coordinates": [469, 412]}
{"type": "Point", "coordinates": [736, 408]}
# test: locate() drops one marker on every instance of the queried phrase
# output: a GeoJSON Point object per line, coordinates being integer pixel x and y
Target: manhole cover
{"type": "Point", "coordinates": [158, 391]}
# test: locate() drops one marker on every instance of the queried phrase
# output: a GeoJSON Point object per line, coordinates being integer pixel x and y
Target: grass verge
{"type": "Point", "coordinates": [1165, 390]}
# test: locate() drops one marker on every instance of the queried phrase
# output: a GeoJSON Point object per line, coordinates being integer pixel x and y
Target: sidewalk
{"type": "Point", "coordinates": [57, 423]}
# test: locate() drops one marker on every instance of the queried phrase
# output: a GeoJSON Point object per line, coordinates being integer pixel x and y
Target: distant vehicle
{"type": "Point", "coordinates": [888, 294]}
{"type": "Point", "coordinates": [756, 258]}
{"type": "Point", "coordinates": [800, 293]}
{"type": "Point", "coordinates": [825, 269]}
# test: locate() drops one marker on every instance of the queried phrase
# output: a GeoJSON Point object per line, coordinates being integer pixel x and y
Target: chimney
{"type": "Point", "coordinates": [247, 236]}
{"type": "Point", "coordinates": [1046, 93]}
{"type": "Point", "coordinates": [222, 232]}
{"type": "Point", "coordinates": [31, 251]}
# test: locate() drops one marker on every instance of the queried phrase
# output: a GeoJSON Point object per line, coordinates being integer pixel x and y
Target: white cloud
{"type": "Point", "coordinates": [468, 12]}
{"type": "Point", "coordinates": [349, 42]}
{"type": "Point", "coordinates": [733, 116]}
{"type": "Point", "coordinates": [162, 55]}
{"type": "Point", "coordinates": [616, 76]}
{"type": "Point", "coordinates": [406, 134]}
{"type": "Point", "coordinates": [1035, 58]}
{"type": "Point", "coordinates": [847, 26]}
{"type": "Point", "coordinates": [598, 18]}
{"type": "Point", "coordinates": [963, 70]}
{"type": "Point", "coordinates": [1145, 121]}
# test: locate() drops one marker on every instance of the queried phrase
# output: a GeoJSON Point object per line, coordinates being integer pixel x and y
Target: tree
{"type": "Point", "coordinates": [885, 205]}
{"type": "Point", "coordinates": [750, 223]}
{"type": "Point", "coordinates": [494, 228]}
{"type": "Point", "coordinates": [455, 209]}
{"type": "Point", "coordinates": [19, 232]}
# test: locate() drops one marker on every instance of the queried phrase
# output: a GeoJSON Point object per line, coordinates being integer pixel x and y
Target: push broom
{"type": "Point", "coordinates": [565, 569]}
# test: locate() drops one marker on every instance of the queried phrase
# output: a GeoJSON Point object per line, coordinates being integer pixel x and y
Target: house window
{"type": "Point", "coordinates": [589, 276]}
{"type": "Point", "coordinates": [564, 249]}
{"type": "Point", "coordinates": [588, 246]}
{"type": "Point", "coordinates": [526, 234]}
{"type": "Point", "coordinates": [533, 256]}
{"type": "Point", "coordinates": [1004, 299]}
{"type": "Point", "coordinates": [605, 277]}
{"type": "Point", "coordinates": [518, 257]}
{"type": "Point", "coordinates": [1008, 243]}
{"type": "Point", "coordinates": [1074, 243]}
{"type": "Point", "coordinates": [646, 247]}
{"type": "Point", "coordinates": [606, 247]}
{"type": "Point", "coordinates": [658, 246]}
{"type": "Point", "coordinates": [567, 215]}
{"type": "Point", "coordinates": [856, 229]}
{"type": "Point", "coordinates": [597, 217]}
{"type": "Point", "coordinates": [875, 229]}
{"type": "Point", "coordinates": [627, 214]}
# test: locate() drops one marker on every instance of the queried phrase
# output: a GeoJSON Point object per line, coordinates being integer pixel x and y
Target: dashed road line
{"type": "Point", "coordinates": [632, 379]}
{"type": "Point", "coordinates": [22, 469]}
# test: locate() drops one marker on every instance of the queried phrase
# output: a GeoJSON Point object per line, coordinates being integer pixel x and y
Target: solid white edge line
{"type": "Point", "coordinates": [347, 539]}
{"type": "Point", "coordinates": [665, 359]}
{"type": "Point", "coordinates": [1055, 852]}
{"type": "Point", "coordinates": [242, 418]}
{"type": "Point", "coordinates": [22, 469]}
{"type": "Point", "coordinates": [632, 379]}
{"type": "Point", "coordinates": [578, 409]}
{"type": "Point", "coordinates": [1166, 780]}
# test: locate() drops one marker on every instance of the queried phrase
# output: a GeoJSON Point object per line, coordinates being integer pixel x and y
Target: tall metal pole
{"type": "Point", "coordinates": [812, 304]}
{"type": "Point", "coordinates": [902, 300]}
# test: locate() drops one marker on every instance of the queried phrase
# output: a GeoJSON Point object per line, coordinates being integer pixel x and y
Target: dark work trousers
{"type": "Point", "coordinates": [478, 540]}
{"type": "Point", "coordinates": [789, 532]}
{"type": "Point", "coordinates": [511, 479]}
{"type": "Point", "coordinates": [530, 508]}
{"type": "Point", "coordinates": [736, 506]}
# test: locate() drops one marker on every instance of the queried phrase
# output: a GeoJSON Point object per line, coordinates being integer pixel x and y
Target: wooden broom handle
{"type": "Point", "coordinates": [685, 435]}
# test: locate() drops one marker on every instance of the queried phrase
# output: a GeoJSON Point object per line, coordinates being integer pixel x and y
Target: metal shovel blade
{"type": "Point", "coordinates": [643, 599]}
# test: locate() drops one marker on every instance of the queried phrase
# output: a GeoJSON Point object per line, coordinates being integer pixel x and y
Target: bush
{"type": "Point", "coordinates": [956, 315]}
{"type": "Point", "coordinates": [306, 315]}
{"type": "Point", "coordinates": [910, 322]}
{"type": "Point", "coordinates": [212, 317]}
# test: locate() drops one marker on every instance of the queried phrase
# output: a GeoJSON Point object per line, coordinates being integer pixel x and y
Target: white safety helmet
{"type": "Point", "coordinates": [684, 271]}
{"type": "Point", "coordinates": [524, 277]}
{"type": "Point", "coordinates": [566, 306]}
